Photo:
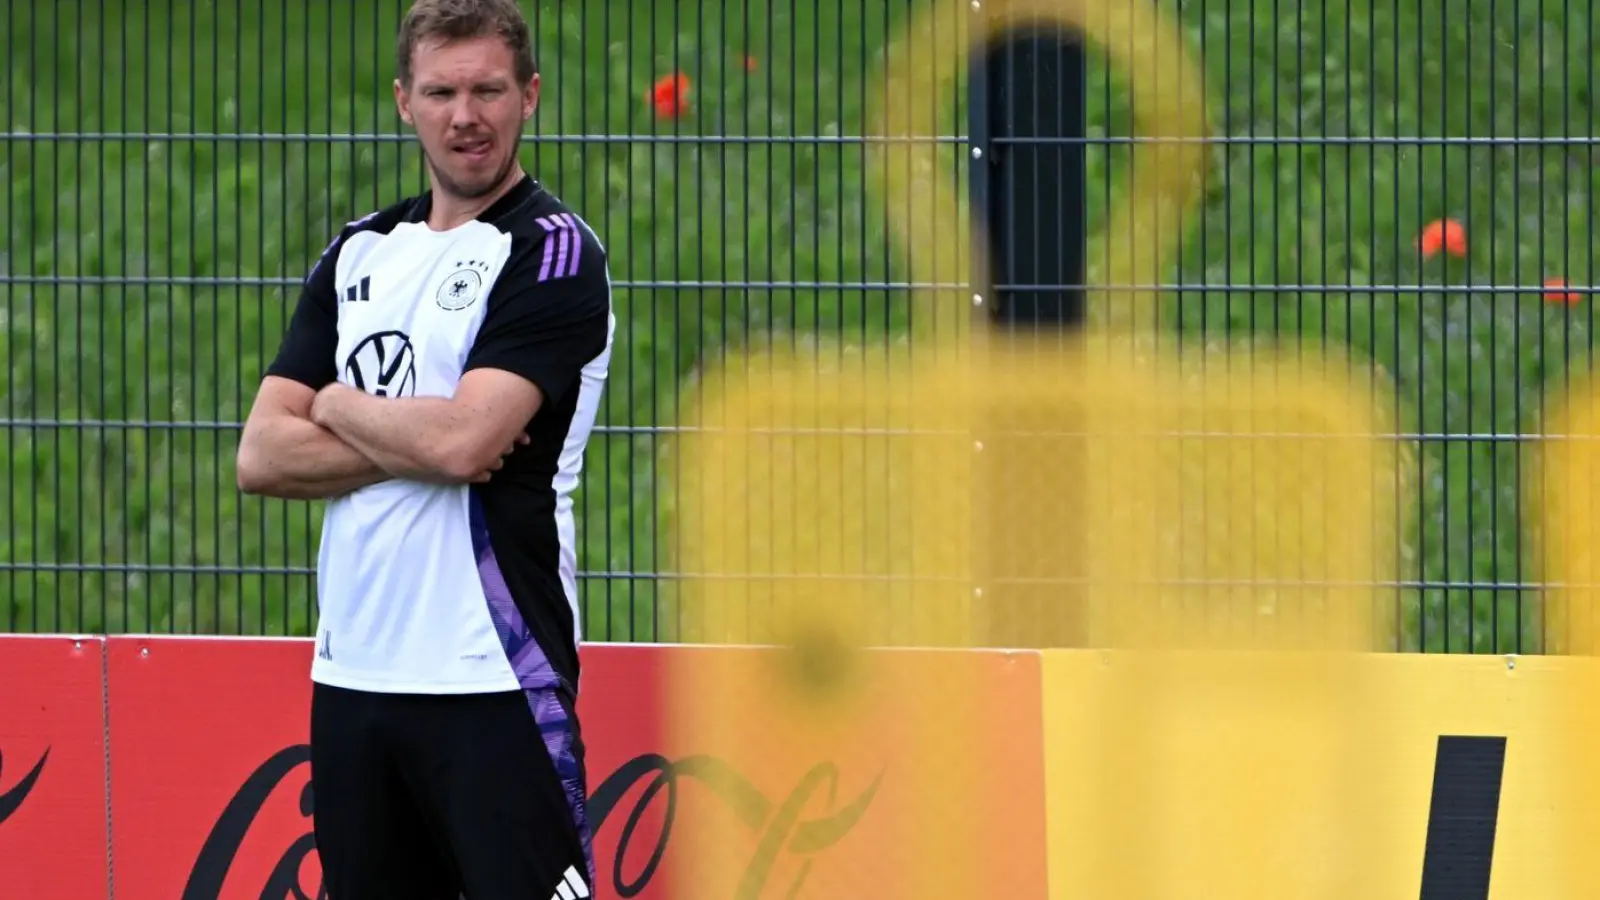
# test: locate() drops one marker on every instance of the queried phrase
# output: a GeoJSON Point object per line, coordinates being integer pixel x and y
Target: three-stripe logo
{"type": "Point", "coordinates": [360, 292]}
{"type": "Point", "coordinates": [562, 246]}
{"type": "Point", "coordinates": [571, 886]}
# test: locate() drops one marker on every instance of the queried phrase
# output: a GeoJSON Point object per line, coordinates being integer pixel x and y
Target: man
{"type": "Point", "coordinates": [438, 384]}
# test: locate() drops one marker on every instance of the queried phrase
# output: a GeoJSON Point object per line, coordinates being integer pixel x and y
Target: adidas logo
{"type": "Point", "coordinates": [571, 887]}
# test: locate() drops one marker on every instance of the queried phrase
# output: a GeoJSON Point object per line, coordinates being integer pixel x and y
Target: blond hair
{"type": "Point", "coordinates": [452, 20]}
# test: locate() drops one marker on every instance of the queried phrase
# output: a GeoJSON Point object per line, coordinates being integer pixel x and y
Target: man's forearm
{"type": "Point", "coordinates": [409, 437]}
{"type": "Point", "coordinates": [295, 458]}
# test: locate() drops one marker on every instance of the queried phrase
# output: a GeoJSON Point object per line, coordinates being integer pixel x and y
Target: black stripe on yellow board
{"type": "Point", "coordinates": [1462, 817]}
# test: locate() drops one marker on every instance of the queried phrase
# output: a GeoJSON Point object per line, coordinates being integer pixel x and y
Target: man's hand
{"type": "Point", "coordinates": [322, 403]}
{"type": "Point", "coordinates": [283, 453]}
{"type": "Point", "coordinates": [461, 439]}
{"type": "Point", "coordinates": [500, 461]}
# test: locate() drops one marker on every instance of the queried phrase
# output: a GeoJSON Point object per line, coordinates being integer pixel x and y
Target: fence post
{"type": "Point", "coordinates": [1027, 98]}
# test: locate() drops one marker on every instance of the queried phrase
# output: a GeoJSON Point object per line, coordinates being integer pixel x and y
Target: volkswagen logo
{"type": "Point", "coordinates": [383, 365]}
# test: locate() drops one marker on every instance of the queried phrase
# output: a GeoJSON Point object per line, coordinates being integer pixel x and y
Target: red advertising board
{"type": "Point", "coordinates": [712, 784]}
{"type": "Point", "coordinates": [52, 768]}
{"type": "Point", "coordinates": [210, 795]}
{"type": "Point", "coordinates": [210, 771]}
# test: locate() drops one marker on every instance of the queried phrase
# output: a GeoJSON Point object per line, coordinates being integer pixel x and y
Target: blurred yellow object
{"type": "Point", "coordinates": [829, 508]}
{"type": "Point", "coordinates": [884, 500]}
{"type": "Point", "coordinates": [1169, 161]}
{"type": "Point", "coordinates": [1254, 508]}
{"type": "Point", "coordinates": [1564, 493]}
{"type": "Point", "coordinates": [975, 491]}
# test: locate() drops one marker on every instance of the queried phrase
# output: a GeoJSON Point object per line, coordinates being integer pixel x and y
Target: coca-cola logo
{"type": "Point", "coordinates": [11, 799]}
{"type": "Point", "coordinates": [217, 855]}
{"type": "Point", "coordinates": [779, 824]}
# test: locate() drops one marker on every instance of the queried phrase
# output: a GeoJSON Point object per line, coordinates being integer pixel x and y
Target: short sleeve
{"type": "Point", "coordinates": [309, 347]}
{"type": "Point", "coordinates": [545, 329]}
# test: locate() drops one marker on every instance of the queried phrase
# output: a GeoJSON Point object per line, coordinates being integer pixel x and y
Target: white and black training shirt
{"type": "Point", "coordinates": [427, 588]}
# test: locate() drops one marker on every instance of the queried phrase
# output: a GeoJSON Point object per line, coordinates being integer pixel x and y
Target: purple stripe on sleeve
{"type": "Point", "coordinates": [565, 234]}
{"type": "Point", "coordinates": [549, 250]}
{"type": "Point", "coordinates": [577, 242]}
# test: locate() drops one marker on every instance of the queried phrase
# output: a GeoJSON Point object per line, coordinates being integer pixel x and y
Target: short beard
{"type": "Point", "coordinates": [454, 189]}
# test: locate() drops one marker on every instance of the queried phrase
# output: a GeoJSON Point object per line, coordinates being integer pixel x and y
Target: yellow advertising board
{"type": "Point", "coordinates": [1312, 776]}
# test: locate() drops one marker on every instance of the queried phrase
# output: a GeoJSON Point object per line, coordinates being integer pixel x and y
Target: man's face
{"type": "Point", "coordinates": [468, 111]}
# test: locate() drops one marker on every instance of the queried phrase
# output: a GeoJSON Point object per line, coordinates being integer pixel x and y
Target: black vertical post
{"type": "Point", "coordinates": [1028, 130]}
{"type": "Point", "coordinates": [1027, 110]}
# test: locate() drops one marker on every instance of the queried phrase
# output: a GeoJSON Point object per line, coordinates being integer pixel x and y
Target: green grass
{"type": "Point", "coordinates": [118, 526]}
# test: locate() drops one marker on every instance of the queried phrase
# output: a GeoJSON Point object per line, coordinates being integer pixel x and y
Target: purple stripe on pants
{"type": "Point", "coordinates": [559, 739]}
{"type": "Point", "coordinates": [536, 677]}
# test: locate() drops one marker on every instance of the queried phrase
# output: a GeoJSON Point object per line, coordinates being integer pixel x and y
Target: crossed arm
{"type": "Point", "coordinates": [304, 444]}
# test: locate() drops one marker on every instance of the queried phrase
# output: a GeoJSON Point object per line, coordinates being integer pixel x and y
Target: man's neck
{"type": "Point", "coordinates": [449, 212]}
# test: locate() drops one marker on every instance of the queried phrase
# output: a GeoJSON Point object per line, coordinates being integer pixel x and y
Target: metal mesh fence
{"type": "Point", "coordinates": [1411, 184]}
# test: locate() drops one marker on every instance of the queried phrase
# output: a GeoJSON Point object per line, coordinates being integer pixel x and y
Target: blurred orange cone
{"type": "Point", "coordinates": [1443, 234]}
{"type": "Point", "coordinates": [670, 95]}
{"type": "Point", "coordinates": [1556, 292]}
